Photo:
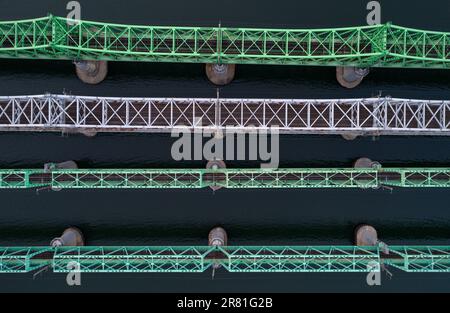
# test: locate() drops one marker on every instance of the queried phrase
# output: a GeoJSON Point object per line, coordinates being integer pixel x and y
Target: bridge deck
{"type": "Point", "coordinates": [377, 116]}
{"type": "Point", "coordinates": [233, 259]}
{"type": "Point", "coordinates": [228, 178]}
{"type": "Point", "coordinates": [381, 45]}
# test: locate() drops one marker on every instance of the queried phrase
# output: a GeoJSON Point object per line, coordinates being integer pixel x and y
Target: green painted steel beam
{"type": "Point", "coordinates": [133, 259]}
{"type": "Point", "coordinates": [23, 260]}
{"type": "Point", "coordinates": [300, 259]}
{"type": "Point", "coordinates": [250, 259]}
{"type": "Point", "coordinates": [337, 178]}
{"type": "Point", "coordinates": [421, 259]}
{"type": "Point", "coordinates": [384, 45]}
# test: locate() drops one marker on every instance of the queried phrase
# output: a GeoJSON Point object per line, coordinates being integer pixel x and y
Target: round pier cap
{"type": "Point", "coordinates": [90, 133]}
{"type": "Point", "coordinates": [350, 136]}
{"type": "Point", "coordinates": [91, 72]}
{"type": "Point", "coordinates": [366, 236]}
{"type": "Point", "coordinates": [216, 165]}
{"type": "Point", "coordinates": [68, 165]}
{"type": "Point", "coordinates": [218, 237]}
{"type": "Point", "coordinates": [72, 237]}
{"type": "Point", "coordinates": [350, 77]}
{"type": "Point", "coordinates": [366, 163]}
{"type": "Point", "coordinates": [220, 74]}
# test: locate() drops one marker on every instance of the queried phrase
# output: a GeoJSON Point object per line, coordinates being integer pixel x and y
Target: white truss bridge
{"type": "Point", "coordinates": [371, 116]}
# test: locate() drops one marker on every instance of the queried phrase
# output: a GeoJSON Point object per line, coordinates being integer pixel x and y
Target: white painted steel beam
{"type": "Point", "coordinates": [371, 116]}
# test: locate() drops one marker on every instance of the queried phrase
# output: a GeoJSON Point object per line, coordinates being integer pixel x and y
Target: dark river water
{"type": "Point", "coordinates": [268, 217]}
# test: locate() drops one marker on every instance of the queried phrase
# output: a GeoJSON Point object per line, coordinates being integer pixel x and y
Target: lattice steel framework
{"type": "Point", "coordinates": [228, 178]}
{"type": "Point", "coordinates": [379, 46]}
{"type": "Point", "coordinates": [380, 116]}
{"type": "Point", "coordinates": [233, 259]}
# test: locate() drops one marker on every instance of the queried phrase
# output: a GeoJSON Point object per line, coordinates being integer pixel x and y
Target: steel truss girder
{"type": "Point", "coordinates": [337, 178]}
{"type": "Point", "coordinates": [234, 259]}
{"type": "Point", "coordinates": [379, 46]}
{"type": "Point", "coordinates": [378, 116]}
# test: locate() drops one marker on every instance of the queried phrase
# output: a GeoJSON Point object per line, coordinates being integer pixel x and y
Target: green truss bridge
{"type": "Point", "coordinates": [384, 45]}
{"type": "Point", "coordinates": [233, 259]}
{"type": "Point", "coordinates": [353, 50]}
{"type": "Point", "coordinates": [227, 178]}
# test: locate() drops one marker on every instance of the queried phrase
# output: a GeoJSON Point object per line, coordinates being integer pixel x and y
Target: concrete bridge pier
{"type": "Point", "coordinates": [220, 74]}
{"type": "Point", "coordinates": [216, 164]}
{"type": "Point", "coordinates": [350, 136]}
{"type": "Point", "coordinates": [90, 133]}
{"type": "Point", "coordinates": [366, 236]}
{"type": "Point", "coordinates": [218, 237]}
{"type": "Point", "coordinates": [71, 237]}
{"type": "Point", "coordinates": [91, 72]}
{"type": "Point", "coordinates": [350, 77]}
{"type": "Point", "coordinates": [68, 165]}
{"type": "Point", "coordinates": [366, 163]}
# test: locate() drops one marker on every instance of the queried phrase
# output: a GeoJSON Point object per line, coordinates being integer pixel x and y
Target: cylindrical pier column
{"type": "Point", "coordinates": [216, 165]}
{"type": "Point", "coordinates": [220, 74]}
{"type": "Point", "coordinates": [366, 163]}
{"type": "Point", "coordinates": [350, 77]}
{"type": "Point", "coordinates": [218, 237]}
{"type": "Point", "coordinates": [350, 136]}
{"type": "Point", "coordinates": [91, 72]}
{"type": "Point", "coordinates": [68, 165]}
{"type": "Point", "coordinates": [88, 132]}
{"type": "Point", "coordinates": [366, 236]}
{"type": "Point", "coordinates": [72, 237]}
